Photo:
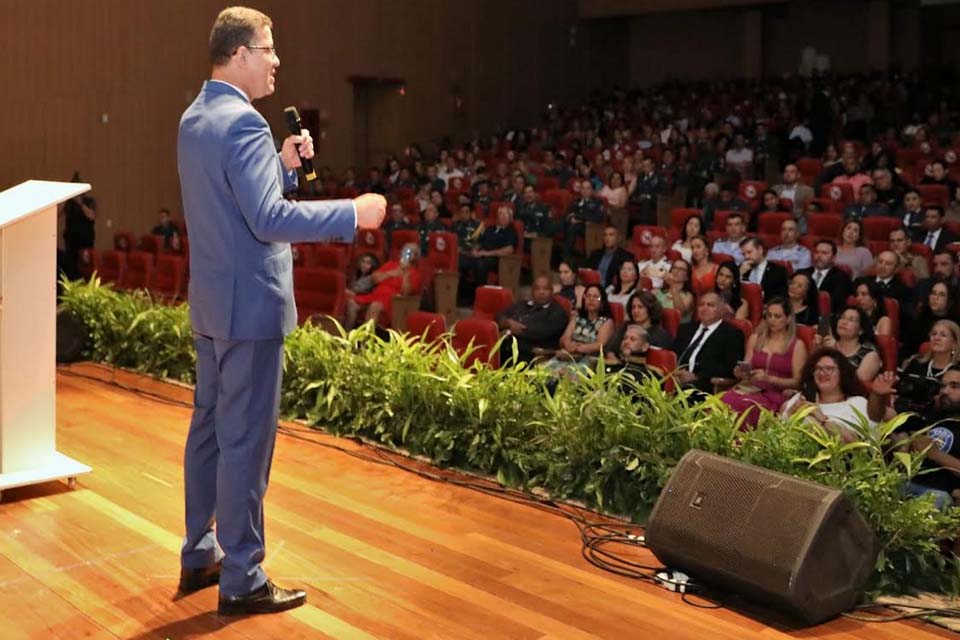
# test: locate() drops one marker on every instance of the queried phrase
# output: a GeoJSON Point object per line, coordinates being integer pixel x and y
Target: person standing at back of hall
{"type": "Point", "coordinates": [241, 305]}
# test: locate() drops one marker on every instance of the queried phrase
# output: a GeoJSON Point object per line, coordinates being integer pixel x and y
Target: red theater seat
{"type": "Point", "coordinates": [479, 334]}
{"type": "Point", "coordinates": [319, 291]}
{"type": "Point", "coordinates": [139, 271]}
{"type": "Point", "coordinates": [490, 301]}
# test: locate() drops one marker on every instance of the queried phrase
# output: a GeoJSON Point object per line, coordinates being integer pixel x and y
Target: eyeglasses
{"type": "Point", "coordinates": [825, 370]}
{"type": "Point", "coordinates": [272, 50]}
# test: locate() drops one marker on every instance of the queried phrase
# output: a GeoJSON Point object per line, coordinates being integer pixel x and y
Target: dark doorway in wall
{"type": "Point", "coordinates": [378, 116]}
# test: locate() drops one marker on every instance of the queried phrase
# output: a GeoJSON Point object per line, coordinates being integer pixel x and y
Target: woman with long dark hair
{"type": "Point", "coordinates": [727, 286]}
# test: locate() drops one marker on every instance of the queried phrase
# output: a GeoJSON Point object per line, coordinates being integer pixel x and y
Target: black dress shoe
{"type": "Point", "coordinates": [195, 579]}
{"type": "Point", "coordinates": [267, 599]}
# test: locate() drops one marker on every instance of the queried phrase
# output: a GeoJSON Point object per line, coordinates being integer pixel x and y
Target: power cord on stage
{"type": "Point", "coordinates": [595, 536]}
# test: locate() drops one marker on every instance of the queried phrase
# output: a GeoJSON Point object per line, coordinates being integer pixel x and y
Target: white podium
{"type": "Point", "coordinates": [28, 334]}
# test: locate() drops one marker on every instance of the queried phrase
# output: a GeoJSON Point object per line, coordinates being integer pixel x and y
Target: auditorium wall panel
{"type": "Point", "coordinates": [65, 64]}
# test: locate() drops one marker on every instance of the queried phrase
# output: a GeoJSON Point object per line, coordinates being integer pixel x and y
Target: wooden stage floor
{"type": "Point", "coordinates": [382, 553]}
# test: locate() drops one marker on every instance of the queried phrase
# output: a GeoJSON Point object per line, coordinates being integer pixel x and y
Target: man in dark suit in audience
{"type": "Point", "coordinates": [608, 259]}
{"type": "Point", "coordinates": [934, 234]}
{"type": "Point", "coordinates": [709, 348]}
{"type": "Point", "coordinates": [533, 324]}
{"type": "Point", "coordinates": [828, 277]}
{"type": "Point", "coordinates": [891, 286]}
{"type": "Point", "coordinates": [755, 268]}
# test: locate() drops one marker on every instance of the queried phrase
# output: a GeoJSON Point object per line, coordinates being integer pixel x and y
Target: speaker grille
{"type": "Point", "coordinates": [752, 530]}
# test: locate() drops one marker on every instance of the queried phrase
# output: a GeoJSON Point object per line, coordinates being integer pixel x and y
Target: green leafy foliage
{"type": "Point", "coordinates": [604, 439]}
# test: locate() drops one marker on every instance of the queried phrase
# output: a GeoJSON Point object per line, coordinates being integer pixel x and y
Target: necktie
{"type": "Point", "coordinates": [685, 356]}
{"type": "Point", "coordinates": [929, 241]}
{"type": "Point", "coordinates": [818, 277]}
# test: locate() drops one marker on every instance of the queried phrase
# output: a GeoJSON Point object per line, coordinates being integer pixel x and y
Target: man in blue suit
{"type": "Point", "coordinates": [241, 306]}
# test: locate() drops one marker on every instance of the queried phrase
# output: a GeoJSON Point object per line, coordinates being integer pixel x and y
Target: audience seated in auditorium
{"type": "Point", "coordinates": [703, 270]}
{"type": "Point", "coordinates": [851, 333]}
{"type": "Point", "coordinates": [692, 228]}
{"type": "Point", "coordinates": [736, 232]}
{"type": "Point", "coordinates": [899, 244]}
{"type": "Point", "coordinates": [586, 208]}
{"type": "Point", "coordinates": [727, 286]}
{"type": "Point", "coordinates": [802, 295]}
{"type": "Point", "coordinates": [568, 285]}
{"type": "Point", "coordinates": [608, 259]}
{"type": "Point", "coordinates": [657, 265]}
{"type": "Point", "coordinates": [941, 303]}
{"type": "Point", "coordinates": [428, 225]}
{"type": "Point", "coordinates": [630, 354]}
{"type": "Point", "coordinates": [935, 432]}
{"type": "Point", "coordinates": [165, 227]}
{"type": "Point", "coordinates": [643, 310]}
{"type": "Point", "coordinates": [789, 249]}
{"type": "Point", "coordinates": [468, 228]}
{"type": "Point", "coordinates": [913, 215]}
{"type": "Point", "coordinates": [643, 192]}
{"type": "Point", "coordinates": [870, 299]}
{"type": "Point", "coordinates": [708, 348]}
{"type": "Point", "coordinates": [851, 251]}
{"type": "Point", "coordinates": [396, 220]}
{"type": "Point", "coordinates": [534, 214]}
{"type": "Point", "coordinates": [755, 268]}
{"type": "Point", "coordinates": [483, 259]}
{"type": "Point", "coordinates": [396, 277]}
{"type": "Point", "coordinates": [827, 277]}
{"type": "Point", "coordinates": [362, 280]}
{"type": "Point", "coordinates": [534, 325]}
{"type": "Point", "coordinates": [792, 189]}
{"type": "Point", "coordinates": [588, 330]}
{"type": "Point", "coordinates": [944, 269]}
{"type": "Point", "coordinates": [935, 235]}
{"type": "Point", "coordinates": [624, 284]}
{"type": "Point", "coordinates": [921, 373]}
{"type": "Point", "coordinates": [676, 292]}
{"type": "Point", "coordinates": [838, 398]}
{"type": "Point", "coordinates": [866, 205]}
{"type": "Point", "coordinates": [772, 363]}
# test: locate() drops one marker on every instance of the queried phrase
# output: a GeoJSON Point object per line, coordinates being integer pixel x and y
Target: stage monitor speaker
{"type": "Point", "coordinates": [796, 546]}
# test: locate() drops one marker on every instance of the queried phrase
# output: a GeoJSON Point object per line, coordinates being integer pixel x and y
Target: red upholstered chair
{"type": "Point", "coordinates": [123, 241]}
{"type": "Point", "coordinates": [827, 225]}
{"type": "Point", "coordinates": [806, 333]}
{"type": "Point", "coordinates": [745, 328]}
{"type": "Point", "coordinates": [643, 232]}
{"type": "Point", "coordinates": [558, 200]}
{"type": "Point", "coordinates": [547, 183]}
{"type": "Point", "coordinates": [113, 264]}
{"type": "Point", "coordinates": [770, 222]}
{"type": "Point", "coordinates": [303, 254]}
{"type": "Point", "coordinates": [720, 258]}
{"type": "Point", "coordinates": [139, 271]}
{"type": "Point", "coordinates": [936, 194]}
{"type": "Point", "coordinates": [879, 227]}
{"type": "Point", "coordinates": [564, 302]}
{"type": "Point", "coordinates": [720, 220]}
{"type": "Point", "coordinates": [824, 304]}
{"type": "Point", "coordinates": [751, 189]}
{"type": "Point", "coordinates": [907, 277]}
{"type": "Point", "coordinates": [479, 334]}
{"type": "Point", "coordinates": [329, 256]}
{"type": "Point", "coordinates": [490, 301]}
{"type": "Point", "coordinates": [319, 291]}
{"type": "Point", "coordinates": [400, 237]}
{"type": "Point", "coordinates": [666, 361]}
{"type": "Point", "coordinates": [671, 322]}
{"type": "Point", "coordinates": [589, 276]}
{"type": "Point", "coordinates": [371, 241]}
{"type": "Point", "coordinates": [827, 205]}
{"type": "Point", "coordinates": [151, 244]}
{"type": "Point", "coordinates": [809, 169]}
{"type": "Point", "coordinates": [753, 294]}
{"type": "Point", "coordinates": [617, 314]}
{"type": "Point", "coordinates": [168, 277]}
{"type": "Point", "coordinates": [679, 217]}
{"type": "Point", "coordinates": [426, 326]}
{"type": "Point", "coordinates": [838, 192]}
{"type": "Point", "coordinates": [925, 252]}
{"type": "Point", "coordinates": [87, 262]}
{"type": "Point", "coordinates": [888, 347]}
{"type": "Point", "coordinates": [786, 264]}
{"type": "Point", "coordinates": [876, 247]}
{"type": "Point", "coordinates": [443, 252]}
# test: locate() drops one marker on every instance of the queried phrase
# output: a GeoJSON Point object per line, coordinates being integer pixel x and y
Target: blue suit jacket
{"type": "Point", "coordinates": [238, 222]}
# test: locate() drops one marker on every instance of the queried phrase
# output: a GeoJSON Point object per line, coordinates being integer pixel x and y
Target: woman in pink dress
{"type": "Point", "coordinates": [774, 361]}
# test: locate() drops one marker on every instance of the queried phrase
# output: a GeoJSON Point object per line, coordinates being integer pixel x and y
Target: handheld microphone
{"type": "Point", "coordinates": [295, 128]}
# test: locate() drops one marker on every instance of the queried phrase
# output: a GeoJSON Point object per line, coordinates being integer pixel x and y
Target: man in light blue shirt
{"type": "Point", "coordinates": [736, 231]}
{"type": "Point", "coordinates": [788, 250]}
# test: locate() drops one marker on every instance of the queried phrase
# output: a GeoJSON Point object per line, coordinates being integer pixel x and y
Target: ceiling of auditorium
{"type": "Point", "coordinates": [618, 8]}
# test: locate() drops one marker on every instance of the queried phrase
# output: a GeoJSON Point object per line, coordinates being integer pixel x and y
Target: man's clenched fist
{"type": "Point", "coordinates": [371, 209]}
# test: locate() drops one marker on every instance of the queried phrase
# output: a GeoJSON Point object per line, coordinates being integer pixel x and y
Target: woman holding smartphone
{"type": "Point", "coordinates": [773, 362]}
